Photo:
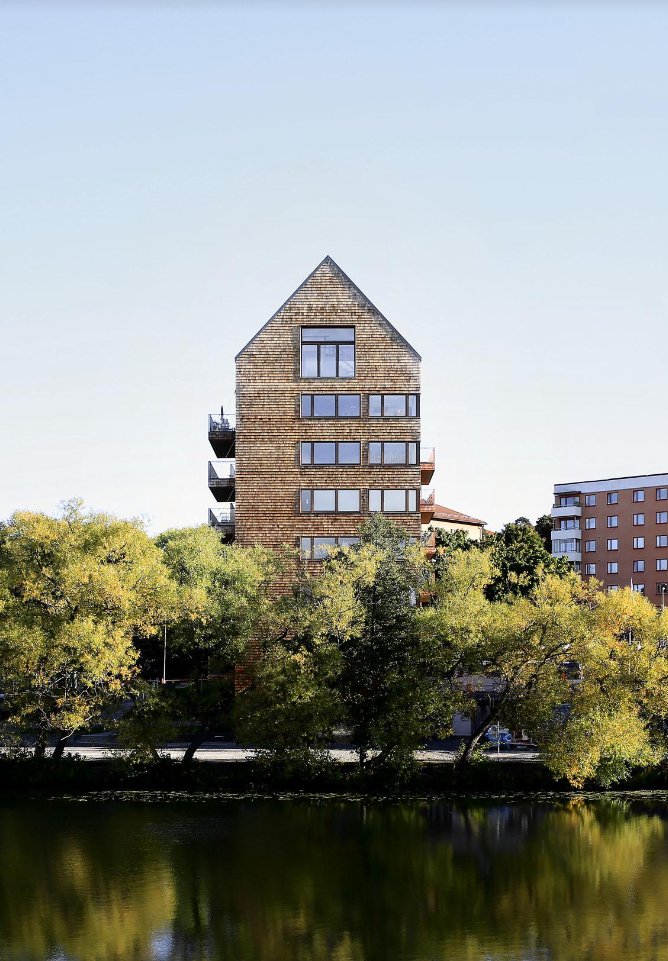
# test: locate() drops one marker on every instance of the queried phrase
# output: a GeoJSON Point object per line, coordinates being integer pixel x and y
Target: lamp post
{"type": "Point", "coordinates": [164, 656]}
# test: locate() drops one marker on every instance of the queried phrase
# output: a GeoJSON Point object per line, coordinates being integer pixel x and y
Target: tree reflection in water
{"type": "Point", "coordinates": [333, 881]}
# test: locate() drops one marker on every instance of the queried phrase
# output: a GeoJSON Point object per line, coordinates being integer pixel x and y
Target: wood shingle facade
{"type": "Point", "coordinates": [327, 422]}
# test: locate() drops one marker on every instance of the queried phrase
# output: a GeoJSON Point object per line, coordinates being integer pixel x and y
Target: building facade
{"type": "Point", "coordinates": [327, 426]}
{"type": "Point", "coordinates": [615, 530]}
{"type": "Point", "coordinates": [447, 519]}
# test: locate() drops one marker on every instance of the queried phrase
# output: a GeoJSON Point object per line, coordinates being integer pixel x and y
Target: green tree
{"type": "Point", "coordinates": [74, 592]}
{"type": "Point", "coordinates": [543, 527]}
{"type": "Point", "coordinates": [520, 558]}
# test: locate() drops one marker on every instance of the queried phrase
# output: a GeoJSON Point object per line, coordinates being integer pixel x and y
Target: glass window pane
{"type": "Point", "coordinates": [374, 405]}
{"type": "Point", "coordinates": [346, 360]}
{"type": "Point", "coordinates": [395, 501]}
{"type": "Point", "coordinates": [322, 547]}
{"type": "Point", "coordinates": [395, 405]}
{"type": "Point", "coordinates": [349, 453]}
{"type": "Point", "coordinates": [324, 405]}
{"type": "Point", "coordinates": [328, 334]}
{"type": "Point", "coordinates": [374, 500]}
{"type": "Point", "coordinates": [412, 405]}
{"type": "Point", "coordinates": [324, 453]}
{"type": "Point", "coordinates": [394, 453]}
{"type": "Point", "coordinates": [374, 452]}
{"type": "Point", "coordinates": [306, 405]}
{"type": "Point", "coordinates": [349, 405]}
{"type": "Point", "coordinates": [309, 361]}
{"type": "Point", "coordinates": [305, 547]}
{"type": "Point", "coordinates": [305, 501]}
{"type": "Point", "coordinates": [327, 360]}
{"type": "Point", "coordinates": [412, 500]}
{"type": "Point", "coordinates": [306, 452]}
{"type": "Point", "coordinates": [324, 500]}
{"type": "Point", "coordinates": [349, 501]}
{"type": "Point", "coordinates": [412, 454]}
{"type": "Point", "coordinates": [348, 541]}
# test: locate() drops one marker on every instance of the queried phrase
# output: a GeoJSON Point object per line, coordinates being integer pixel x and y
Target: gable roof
{"type": "Point", "coordinates": [329, 263]}
{"type": "Point", "coordinates": [448, 514]}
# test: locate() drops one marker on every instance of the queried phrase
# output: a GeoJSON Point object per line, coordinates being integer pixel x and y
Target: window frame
{"type": "Point", "coordinates": [662, 493]}
{"type": "Point", "coordinates": [336, 462]}
{"type": "Point", "coordinates": [661, 540]}
{"type": "Point", "coordinates": [383, 463]}
{"type": "Point", "coordinates": [590, 500]}
{"type": "Point", "coordinates": [612, 567]}
{"type": "Point", "coordinates": [637, 522]}
{"type": "Point", "coordinates": [590, 570]}
{"type": "Point", "coordinates": [611, 541]}
{"type": "Point", "coordinates": [590, 547]}
{"type": "Point", "coordinates": [336, 491]}
{"type": "Point", "coordinates": [639, 566]}
{"type": "Point", "coordinates": [613, 497]}
{"type": "Point", "coordinates": [387, 490]}
{"type": "Point", "coordinates": [406, 416]}
{"type": "Point", "coordinates": [637, 546]}
{"type": "Point", "coordinates": [318, 344]}
{"type": "Point", "coordinates": [590, 523]}
{"type": "Point", "coordinates": [662, 517]}
{"type": "Point", "coordinates": [336, 415]}
{"type": "Point", "coordinates": [613, 520]}
{"type": "Point", "coordinates": [639, 496]}
{"type": "Point", "coordinates": [310, 556]}
{"type": "Point", "coordinates": [662, 561]}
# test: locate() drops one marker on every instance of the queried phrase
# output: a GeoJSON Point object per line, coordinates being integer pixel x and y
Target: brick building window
{"type": "Point", "coordinates": [613, 497]}
{"type": "Point", "coordinates": [613, 544]}
{"type": "Point", "coordinates": [392, 452]}
{"type": "Point", "coordinates": [638, 497]}
{"type": "Point", "coordinates": [590, 569]}
{"type": "Point", "coordinates": [590, 523]}
{"type": "Point", "coordinates": [638, 567]}
{"type": "Point", "coordinates": [393, 501]}
{"type": "Point", "coordinates": [590, 500]}
{"type": "Point", "coordinates": [318, 548]}
{"type": "Point", "coordinates": [613, 520]}
{"type": "Point", "coordinates": [639, 543]}
{"type": "Point", "coordinates": [394, 405]}
{"type": "Point", "coordinates": [590, 546]}
{"type": "Point", "coordinates": [613, 567]}
{"type": "Point", "coordinates": [331, 405]}
{"type": "Point", "coordinates": [639, 588]}
{"type": "Point", "coordinates": [662, 564]}
{"type": "Point", "coordinates": [317, 453]}
{"type": "Point", "coordinates": [662, 493]}
{"type": "Point", "coordinates": [328, 352]}
{"type": "Point", "coordinates": [329, 501]}
{"type": "Point", "coordinates": [662, 517]}
{"type": "Point", "coordinates": [638, 520]}
{"type": "Point", "coordinates": [662, 540]}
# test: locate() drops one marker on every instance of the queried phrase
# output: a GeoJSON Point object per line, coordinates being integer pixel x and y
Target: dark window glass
{"type": "Point", "coordinates": [324, 500]}
{"type": "Point", "coordinates": [324, 405]}
{"type": "Point", "coordinates": [375, 452]}
{"type": "Point", "coordinates": [306, 501]}
{"type": "Point", "coordinates": [307, 405]}
{"type": "Point", "coordinates": [349, 501]}
{"type": "Point", "coordinates": [324, 453]}
{"type": "Point", "coordinates": [330, 334]}
{"type": "Point", "coordinates": [375, 409]}
{"type": "Point", "coordinates": [346, 361]}
{"type": "Point", "coordinates": [349, 405]}
{"type": "Point", "coordinates": [348, 541]}
{"type": "Point", "coordinates": [395, 405]}
{"type": "Point", "coordinates": [349, 453]}
{"type": "Point", "coordinates": [309, 361]}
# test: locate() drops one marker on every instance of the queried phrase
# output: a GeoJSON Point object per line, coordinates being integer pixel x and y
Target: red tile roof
{"type": "Point", "coordinates": [448, 514]}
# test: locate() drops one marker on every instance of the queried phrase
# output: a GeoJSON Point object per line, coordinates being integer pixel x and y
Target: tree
{"type": "Point", "coordinates": [520, 557]}
{"type": "Point", "coordinates": [74, 591]}
{"type": "Point", "coordinates": [543, 528]}
{"type": "Point", "coordinates": [222, 605]}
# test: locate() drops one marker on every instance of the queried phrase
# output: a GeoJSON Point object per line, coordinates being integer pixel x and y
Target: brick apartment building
{"type": "Point", "coordinates": [327, 426]}
{"type": "Point", "coordinates": [615, 530]}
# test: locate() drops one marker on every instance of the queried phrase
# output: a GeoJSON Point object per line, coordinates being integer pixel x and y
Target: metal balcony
{"type": "Point", "coordinates": [223, 434]}
{"type": "Point", "coordinates": [222, 520]}
{"type": "Point", "coordinates": [222, 475]}
{"type": "Point", "coordinates": [427, 464]}
{"type": "Point", "coordinates": [427, 504]}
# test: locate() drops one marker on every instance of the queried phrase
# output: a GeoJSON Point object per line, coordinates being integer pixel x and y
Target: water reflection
{"type": "Point", "coordinates": [333, 881]}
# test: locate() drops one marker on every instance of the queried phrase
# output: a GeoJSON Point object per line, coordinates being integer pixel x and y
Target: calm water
{"type": "Point", "coordinates": [295, 880]}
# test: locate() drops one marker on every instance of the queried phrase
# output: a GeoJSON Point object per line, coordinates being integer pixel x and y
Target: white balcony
{"type": "Point", "coordinates": [566, 533]}
{"type": "Point", "coordinates": [573, 510]}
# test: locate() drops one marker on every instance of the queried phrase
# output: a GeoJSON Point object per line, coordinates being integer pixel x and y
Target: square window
{"type": "Point", "coordinates": [394, 405]}
{"type": "Point", "coordinates": [324, 452]}
{"type": "Point", "coordinates": [324, 500]}
{"type": "Point", "coordinates": [638, 543]}
{"type": "Point", "coordinates": [638, 520]}
{"type": "Point", "coordinates": [613, 544]}
{"type": "Point", "coordinates": [590, 523]}
{"type": "Point", "coordinates": [348, 501]}
{"type": "Point", "coordinates": [613, 520]}
{"type": "Point", "coordinates": [662, 493]}
{"type": "Point", "coordinates": [662, 540]}
{"type": "Point", "coordinates": [322, 547]}
{"type": "Point", "coordinates": [613, 567]}
{"type": "Point", "coordinates": [590, 569]}
{"type": "Point", "coordinates": [639, 588]}
{"type": "Point", "coordinates": [349, 405]}
{"type": "Point", "coordinates": [324, 405]}
{"type": "Point", "coordinates": [590, 546]}
{"type": "Point", "coordinates": [347, 541]}
{"type": "Point", "coordinates": [613, 497]}
{"type": "Point", "coordinates": [394, 501]}
{"type": "Point", "coordinates": [638, 497]}
{"type": "Point", "coordinates": [590, 500]}
{"type": "Point", "coordinates": [394, 453]}
{"type": "Point", "coordinates": [662, 517]}
{"type": "Point", "coordinates": [612, 588]}
{"type": "Point", "coordinates": [349, 453]}
{"type": "Point", "coordinates": [638, 566]}
{"type": "Point", "coordinates": [662, 564]}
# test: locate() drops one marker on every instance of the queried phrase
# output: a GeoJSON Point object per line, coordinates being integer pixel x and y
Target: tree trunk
{"type": "Point", "coordinates": [195, 743]}
{"type": "Point", "coordinates": [59, 749]}
{"type": "Point", "coordinates": [40, 745]}
{"type": "Point", "coordinates": [474, 739]}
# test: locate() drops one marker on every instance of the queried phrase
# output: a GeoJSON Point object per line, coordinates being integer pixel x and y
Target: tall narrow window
{"type": "Point", "coordinates": [328, 352]}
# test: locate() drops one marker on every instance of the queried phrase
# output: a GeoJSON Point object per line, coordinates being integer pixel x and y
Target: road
{"type": "Point", "coordinates": [231, 752]}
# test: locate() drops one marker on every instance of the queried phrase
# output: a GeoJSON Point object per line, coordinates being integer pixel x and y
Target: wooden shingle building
{"type": "Point", "coordinates": [327, 426]}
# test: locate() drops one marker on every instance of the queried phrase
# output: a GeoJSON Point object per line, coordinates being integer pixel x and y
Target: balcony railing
{"type": "Point", "coordinates": [222, 423]}
{"type": "Point", "coordinates": [427, 504]}
{"type": "Point", "coordinates": [222, 470]}
{"type": "Point", "coordinates": [427, 463]}
{"type": "Point", "coordinates": [222, 518]}
{"type": "Point", "coordinates": [223, 434]}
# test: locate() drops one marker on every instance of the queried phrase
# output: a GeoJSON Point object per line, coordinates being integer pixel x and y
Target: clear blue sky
{"type": "Point", "coordinates": [493, 176]}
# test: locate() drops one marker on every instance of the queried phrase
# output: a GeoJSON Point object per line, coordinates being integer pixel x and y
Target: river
{"type": "Point", "coordinates": [286, 879]}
